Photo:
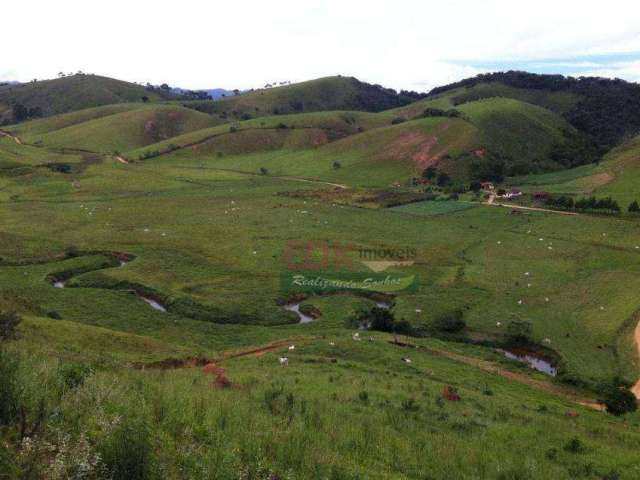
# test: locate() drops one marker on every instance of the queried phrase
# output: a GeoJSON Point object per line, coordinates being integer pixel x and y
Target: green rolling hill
{"type": "Point", "coordinates": [330, 93]}
{"type": "Point", "coordinates": [115, 128]}
{"type": "Point", "coordinates": [75, 92]}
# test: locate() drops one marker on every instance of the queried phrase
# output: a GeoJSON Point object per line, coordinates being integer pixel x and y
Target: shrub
{"type": "Point", "coordinates": [128, 454]}
{"type": "Point", "coordinates": [9, 322]}
{"type": "Point", "coordinates": [54, 315]}
{"type": "Point", "coordinates": [337, 165]}
{"type": "Point", "coordinates": [410, 405]}
{"type": "Point", "coordinates": [398, 120]}
{"type": "Point", "coordinates": [73, 375]}
{"type": "Point", "coordinates": [634, 207]}
{"type": "Point", "coordinates": [519, 331]}
{"type": "Point", "coordinates": [264, 171]}
{"type": "Point", "coordinates": [574, 446]}
{"type": "Point", "coordinates": [72, 251]}
{"type": "Point", "coordinates": [429, 173]}
{"type": "Point", "coordinates": [363, 396]}
{"type": "Point", "coordinates": [443, 179]}
{"type": "Point", "coordinates": [452, 322]}
{"type": "Point", "coordinates": [377, 318]}
{"type": "Point", "coordinates": [618, 400]}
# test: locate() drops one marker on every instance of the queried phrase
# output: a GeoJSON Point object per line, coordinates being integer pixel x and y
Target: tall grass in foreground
{"type": "Point", "coordinates": [368, 416]}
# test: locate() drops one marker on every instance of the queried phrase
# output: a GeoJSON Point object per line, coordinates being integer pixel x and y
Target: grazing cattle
{"type": "Point", "coordinates": [406, 360]}
{"type": "Point", "coordinates": [292, 347]}
{"type": "Point", "coordinates": [284, 361]}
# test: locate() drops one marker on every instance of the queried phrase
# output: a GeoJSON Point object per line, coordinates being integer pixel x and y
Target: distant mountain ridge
{"type": "Point", "coordinates": [214, 93]}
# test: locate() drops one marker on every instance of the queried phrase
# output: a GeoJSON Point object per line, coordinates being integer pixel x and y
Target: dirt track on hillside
{"type": "Point", "coordinates": [491, 201]}
{"type": "Point", "coordinates": [492, 367]}
{"type": "Point", "coordinates": [636, 388]}
{"type": "Point", "coordinates": [281, 177]}
{"type": "Point", "coordinates": [7, 134]}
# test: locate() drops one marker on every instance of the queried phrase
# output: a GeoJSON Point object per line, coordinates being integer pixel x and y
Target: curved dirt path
{"type": "Point", "coordinates": [281, 177]}
{"type": "Point", "coordinates": [7, 134]}
{"type": "Point", "coordinates": [636, 388]}
{"type": "Point", "coordinates": [491, 201]}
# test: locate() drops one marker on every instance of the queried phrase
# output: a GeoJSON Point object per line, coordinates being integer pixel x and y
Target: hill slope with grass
{"type": "Point", "coordinates": [76, 92]}
{"type": "Point", "coordinates": [487, 140]}
{"type": "Point", "coordinates": [323, 94]}
{"type": "Point", "coordinates": [607, 110]}
{"type": "Point", "coordinates": [119, 131]}
{"type": "Point", "coordinates": [155, 329]}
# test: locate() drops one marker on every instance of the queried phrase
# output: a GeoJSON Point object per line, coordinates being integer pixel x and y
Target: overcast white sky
{"type": "Point", "coordinates": [245, 43]}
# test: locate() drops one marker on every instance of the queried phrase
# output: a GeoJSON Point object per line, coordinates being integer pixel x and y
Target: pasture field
{"type": "Point", "coordinates": [202, 221]}
{"type": "Point", "coordinates": [217, 238]}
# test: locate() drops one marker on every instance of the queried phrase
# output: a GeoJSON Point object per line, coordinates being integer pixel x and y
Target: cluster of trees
{"type": "Point", "coordinates": [376, 98]}
{"type": "Point", "coordinates": [432, 174]}
{"type": "Point", "coordinates": [491, 167]}
{"type": "Point", "coordinates": [608, 109]}
{"type": "Point", "coordinates": [563, 202]}
{"type": "Point", "coordinates": [437, 112]}
{"type": "Point", "coordinates": [381, 320]}
{"type": "Point", "coordinates": [413, 94]}
{"type": "Point", "coordinates": [20, 113]}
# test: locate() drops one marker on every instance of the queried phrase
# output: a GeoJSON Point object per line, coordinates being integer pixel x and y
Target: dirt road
{"type": "Point", "coordinates": [636, 388]}
{"type": "Point", "coordinates": [492, 201]}
{"type": "Point", "coordinates": [7, 134]}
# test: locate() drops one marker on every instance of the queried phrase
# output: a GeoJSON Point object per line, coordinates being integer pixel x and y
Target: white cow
{"type": "Point", "coordinates": [284, 361]}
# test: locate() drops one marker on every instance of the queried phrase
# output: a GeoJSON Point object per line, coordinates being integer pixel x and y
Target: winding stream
{"type": "Point", "coordinates": [153, 303]}
{"type": "Point", "coordinates": [295, 307]}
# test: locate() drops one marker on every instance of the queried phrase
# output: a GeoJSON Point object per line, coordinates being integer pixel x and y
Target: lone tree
{"type": "Point", "coordinates": [9, 321]}
{"type": "Point", "coordinates": [519, 331]}
{"type": "Point", "coordinates": [634, 207]}
{"type": "Point", "coordinates": [337, 165]}
{"type": "Point", "coordinates": [264, 171]}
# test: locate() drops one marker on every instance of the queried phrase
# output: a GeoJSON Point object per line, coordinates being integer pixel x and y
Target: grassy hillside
{"type": "Point", "coordinates": [118, 131]}
{"type": "Point", "coordinates": [522, 133]}
{"type": "Point", "coordinates": [492, 137]}
{"type": "Point", "coordinates": [71, 93]}
{"type": "Point", "coordinates": [56, 122]}
{"type": "Point", "coordinates": [341, 409]}
{"type": "Point", "coordinates": [607, 110]}
{"type": "Point", "coordinates": [303, 130]}
{"type": "Point", "coordinates": [323, 94]}
{"type": "Point", "coordinates": [206, 218]}
{"type": "Point", "coordinates": [616, 176]}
